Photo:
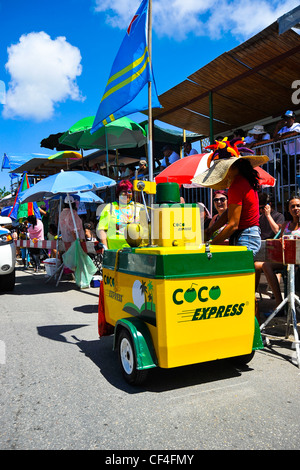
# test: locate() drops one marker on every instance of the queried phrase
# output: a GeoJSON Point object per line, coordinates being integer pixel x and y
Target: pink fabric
{"type": "Point", "coordinates": [67, 226]}
{"type": "Point", "coordinates": [37, 231]}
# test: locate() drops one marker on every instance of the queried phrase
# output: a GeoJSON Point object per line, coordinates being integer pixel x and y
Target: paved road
{"type": "Point", "coordinates": [61, 388]}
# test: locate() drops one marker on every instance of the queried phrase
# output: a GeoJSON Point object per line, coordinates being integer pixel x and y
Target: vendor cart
{"type": "Point", "coordinates": [178, 303]}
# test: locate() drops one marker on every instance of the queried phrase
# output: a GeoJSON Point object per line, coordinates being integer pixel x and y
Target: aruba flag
{"type": "Point", "coordinates": [126, 91]}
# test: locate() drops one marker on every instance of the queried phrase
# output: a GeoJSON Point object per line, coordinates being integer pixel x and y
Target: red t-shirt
{"type": "Point", "coordinates": [241, 193]}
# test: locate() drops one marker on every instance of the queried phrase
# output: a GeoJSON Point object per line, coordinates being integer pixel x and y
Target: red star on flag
{"type": "Point", "coordinates": [131, 23]}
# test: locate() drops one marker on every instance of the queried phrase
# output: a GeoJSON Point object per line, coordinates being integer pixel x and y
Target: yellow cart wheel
{"type": "Point", "coordinates": [127, 359]}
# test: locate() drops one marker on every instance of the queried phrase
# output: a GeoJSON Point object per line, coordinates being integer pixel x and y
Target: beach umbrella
{"type": "Point", "coordinates": [66, 182]}
{"type": "Point", "coordinates": [122, 133]}
{"type": "Point", "coordinates": [6, 210]}
{"type": "Point", "coordinates": [69, 182]}
{"type": "Point", "coordinates": [184, 170]}
{"type": "Point", "coordinates": [72, 136]}
{"type": "Point", "coordinates": [265, 179]}
{"type": "Point", "coordinates": [119, 134]}
{"type": "Point", "coordinates": [68, 154]}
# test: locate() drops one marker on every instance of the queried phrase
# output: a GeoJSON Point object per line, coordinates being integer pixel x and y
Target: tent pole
{"type": "Point", "coordinates": [58, 230]}
{"type": "Point", "coordinates": [73, 218]}
{"type": "Point", "coordinates": [107, 164]}
{"type": "Point", "coordinates": [117, 162]}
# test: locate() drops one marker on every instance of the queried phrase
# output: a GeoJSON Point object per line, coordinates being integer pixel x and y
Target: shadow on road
{"type": "Point", "coordinates": [100, 352]}
{"type": "Point", "coordinates": [30, 283]}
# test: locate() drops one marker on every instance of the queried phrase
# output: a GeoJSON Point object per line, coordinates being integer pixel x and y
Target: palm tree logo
{"type": "Point", "coordinates": [144, 290]}
{"type": "Point", "coordinates": [142, 306]}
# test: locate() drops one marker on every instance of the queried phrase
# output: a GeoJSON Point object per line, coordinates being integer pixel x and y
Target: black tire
{"type": "Point", "coordinates": [127, 359]}
{"type": "Point", "coordinates": [7, 281]}
{"type": "Point", "coordinates": [243, 360]}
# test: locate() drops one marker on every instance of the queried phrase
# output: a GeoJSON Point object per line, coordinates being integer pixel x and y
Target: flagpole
{"type": "Point", "coordinates": [150, 145]}
{"type": "Point", "coordinates": [150, 140]}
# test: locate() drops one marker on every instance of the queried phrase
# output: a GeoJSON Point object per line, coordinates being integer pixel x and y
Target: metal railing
{"type": "Point", "coordinates": [283, 165]}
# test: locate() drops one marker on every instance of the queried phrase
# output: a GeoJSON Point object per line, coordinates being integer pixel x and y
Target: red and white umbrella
{"type": "Point", "coordinates": [184, 170]}
{"type": "Point", "coordinates": [265, 179]}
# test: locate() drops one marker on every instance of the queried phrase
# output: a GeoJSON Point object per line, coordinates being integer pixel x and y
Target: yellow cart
{"type": "Point", "coordinates": [170, 306]}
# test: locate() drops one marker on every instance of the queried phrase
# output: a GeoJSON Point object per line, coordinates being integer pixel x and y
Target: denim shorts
{"type": "Point", "coordinates": [249, 237]}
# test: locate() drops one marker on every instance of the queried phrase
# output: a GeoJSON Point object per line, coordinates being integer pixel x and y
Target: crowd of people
{"type": "Point", "coordinates": [242, 215]}
{"type": "Point", "coordinates": [287, 127]}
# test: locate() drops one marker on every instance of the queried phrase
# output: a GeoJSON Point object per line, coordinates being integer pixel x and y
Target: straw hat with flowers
{"type": "Point", "coordinates": [225, 154]}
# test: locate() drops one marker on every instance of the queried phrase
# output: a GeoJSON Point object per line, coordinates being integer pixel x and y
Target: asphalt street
{"type": "Point", "coordinates": [61, 387]}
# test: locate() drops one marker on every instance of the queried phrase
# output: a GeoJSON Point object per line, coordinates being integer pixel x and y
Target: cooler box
{"type": "Point", "coordinates": [50, 265]}
{"type": "Point", "coordinates": [198, 306]}
{"type": "Point", "coordinates": [95, 282]}
{"type": "Point", "coordinates": [285, 250]}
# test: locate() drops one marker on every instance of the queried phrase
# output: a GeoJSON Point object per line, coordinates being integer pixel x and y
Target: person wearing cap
{"type": "Point", "coordinates": [188, 150]}
{"type": "Point", "coordinates": [287, 127]}
{"type": "Point", "coordinates": [257, 134]}
{"type": "Point", "coordinates": [169, 157]}
{"type": "Point", "coordinates": [66, 223]}
{"type": "Point", "coordinates": [228, 169]}
{"type": "Point", "coordinates": [143, 170]}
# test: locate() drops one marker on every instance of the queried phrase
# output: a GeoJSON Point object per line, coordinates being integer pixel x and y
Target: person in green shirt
{"type": "Point", "coordinates": [116, 215]}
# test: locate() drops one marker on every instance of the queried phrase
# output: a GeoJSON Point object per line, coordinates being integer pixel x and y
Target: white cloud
{"type": "Point", "coordinates": [179, 18]}
{"type": "Point", "coordinates": [43, 73]}
{"type": "Point", "coordinates": [244, 18]}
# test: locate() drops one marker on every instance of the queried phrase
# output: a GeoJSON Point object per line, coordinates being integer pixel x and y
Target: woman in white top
{"type": "Point", "coordinates": [287, 127]}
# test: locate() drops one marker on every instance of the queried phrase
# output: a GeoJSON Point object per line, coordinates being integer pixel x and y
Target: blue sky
{"type": "Point", "coordinates": [56, 56]}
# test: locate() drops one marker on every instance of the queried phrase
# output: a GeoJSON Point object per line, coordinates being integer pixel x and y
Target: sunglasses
{"type": "Point", "coordinates": [220, 199]}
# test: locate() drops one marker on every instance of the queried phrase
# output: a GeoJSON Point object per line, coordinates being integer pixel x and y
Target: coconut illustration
{"type": "Point", "coordinates": [214, 292]}
{"type": "Point", "coordinates": [190, 294]}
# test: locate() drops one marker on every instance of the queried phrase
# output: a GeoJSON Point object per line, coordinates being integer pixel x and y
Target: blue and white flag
{"type": "Point", "coordinates": [126, 91]}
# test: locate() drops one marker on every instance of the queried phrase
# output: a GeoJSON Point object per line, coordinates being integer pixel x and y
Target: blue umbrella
{"type": "Point", "coordinates": [82, 196]}
{"type": "Point", "coordinates": [6, 210]}
{"type": "Point", "coordinates": [66, 182]}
